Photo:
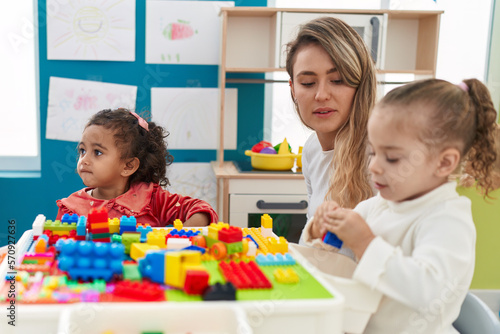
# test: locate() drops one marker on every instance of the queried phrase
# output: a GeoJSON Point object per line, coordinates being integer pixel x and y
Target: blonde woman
{"type": "Point", "coordinates": [333, 86]}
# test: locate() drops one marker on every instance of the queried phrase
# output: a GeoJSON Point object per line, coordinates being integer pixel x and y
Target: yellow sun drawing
{"type": "Point", "coordinates": [91, 30]}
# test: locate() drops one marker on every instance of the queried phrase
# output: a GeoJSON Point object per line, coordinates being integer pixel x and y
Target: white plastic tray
{"type": "Point", "coordinates": [337, 269]}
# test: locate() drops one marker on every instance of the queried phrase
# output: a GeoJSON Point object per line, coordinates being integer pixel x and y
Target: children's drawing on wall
{"type": "Point", "coordinates": [196, 180]}
{"type": "Point", "coordinates": [72, 102]}
{"type": "Point", "coordinates": [191, 116]}
{"type": "Point", "coordinates": [91, 30]}
{"type": "Point", "coordinates": [183, 32]}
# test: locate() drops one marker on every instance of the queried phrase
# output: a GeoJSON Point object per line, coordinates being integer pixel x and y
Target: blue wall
{"type": "Point", "coordinates": [23, 198]}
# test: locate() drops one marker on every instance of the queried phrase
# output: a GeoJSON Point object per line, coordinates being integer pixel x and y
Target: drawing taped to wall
{"type": "Point", "coordinates": [183, 32]}
{"type": "Point", "coordinates": [196, 180]}
{"type": "Point", "coordinates": [72, 102]}
{"type": "Point", "coordinates": [191, 116]}
{"type": "Point", "coordinates": [91, 30]}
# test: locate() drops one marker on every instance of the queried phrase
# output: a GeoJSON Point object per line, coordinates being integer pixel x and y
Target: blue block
{"type": "Point", "coordinates": [332, 240]}
{"type": "Point", "coordinates": [195, 248]}
{"type": "Point", "coordinates": [67, 218]}
{"type": "Point", "coordinates": [144, 231]}
{"type": "Point", "coordinates": [251, 238]}
{"type": "Point", "coordinates": [89, 260]}
{"type": "Point", "coordinates": [152, 266]}
{"type": "Point", "coordinates": [81, 226]}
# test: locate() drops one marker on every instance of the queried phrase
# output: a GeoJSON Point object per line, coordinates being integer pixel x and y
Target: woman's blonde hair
{"type": "Point", "coordinates": [350, 183]}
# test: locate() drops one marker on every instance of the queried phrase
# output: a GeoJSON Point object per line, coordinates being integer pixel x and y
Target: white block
{"type": "Point", "coordinates": [38, 225]}
{"type": "Point", "coordinates": [178, 243]}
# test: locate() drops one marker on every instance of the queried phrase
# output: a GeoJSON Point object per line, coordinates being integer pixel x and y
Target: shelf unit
{"type": "Point", "coordinates": [251, 44]}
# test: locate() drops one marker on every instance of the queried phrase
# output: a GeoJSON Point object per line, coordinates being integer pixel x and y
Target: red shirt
{"type": "Point", "coordinates": [147, 202]}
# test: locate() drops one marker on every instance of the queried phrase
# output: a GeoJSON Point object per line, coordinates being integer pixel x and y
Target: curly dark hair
{"type": "Point", "coordinates": [149, 146]}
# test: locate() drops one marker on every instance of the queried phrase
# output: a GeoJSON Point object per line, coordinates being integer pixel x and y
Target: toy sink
{"type": "Point", "coordinates": [272, 161]}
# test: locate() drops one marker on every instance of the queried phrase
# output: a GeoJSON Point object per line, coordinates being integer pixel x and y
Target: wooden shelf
{"type": "Point", "coordinates": [252, 40]}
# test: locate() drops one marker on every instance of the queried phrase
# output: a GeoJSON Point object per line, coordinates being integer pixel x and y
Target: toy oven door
{"type": "Point", "coordinates": [288, 212]}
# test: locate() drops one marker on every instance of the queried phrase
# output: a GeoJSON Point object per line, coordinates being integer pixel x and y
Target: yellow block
{"type": "Point", "coordinates": [178, 224]}
{"type": "Point", "coordinates": [114, 225]}
{"type": "Point", "coordinates": [213, 229]}
{"type": "Point", "coordinates": [266, 221]}
{"type": "Point", "coordinates": [174, 263]}
{"type": "Point", "coordinates": [278, 245]}
{"type": "Point", "coordinates": [138, 250]}
{"type": "Point", "coordinates": [156, 237]}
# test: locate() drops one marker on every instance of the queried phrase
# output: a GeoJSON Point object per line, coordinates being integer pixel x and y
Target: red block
{"type": "Point", "coordinates": [231, 234]}
{"type": "Point", "coordinates": [99, 215]}
{"type": "Point", "coordinates": [196, 282]}
{"type": "Point", "coordinates": [145, 290]}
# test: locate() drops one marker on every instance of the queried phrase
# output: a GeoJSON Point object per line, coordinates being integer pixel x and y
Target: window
{"type": "Point", "coordinates": [19, 126]}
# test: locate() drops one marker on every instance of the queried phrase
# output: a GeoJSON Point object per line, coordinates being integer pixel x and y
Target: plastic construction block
{"type": "Point", "coordinates": [230, 234]}
{"type": "Point", "coordinates": [127, 224]}
{"type": "Point", "coordinates": [251, 249]}
{"type": "Point", "coordinates": [220, 291]}
{"type": "Point", "coordinates": [202, 250]}
{"type": "Point", "coordinates": [131, 272]}
{"type": "Point", "coordinates": [41, 245]}
{"type": "Point", "coordinates": [69, 218]}
{"type": "Point", "coordinates": [138, 250]}
{"type": "Point", "coordinates": [114, 225]}
{"type": "Point", "coordinates": [332, 240]}
{"type": "Point", "coordinates": [59, 226]}
{"type": "Point", "coordinates": [156, 238]}
{"type": "Point", "coordinates": [144, 230]}
{"type": "Point", "coordinates": [234, 248]}
{"type": "Point", "coordinates": [152, 266]}
{"type": "Point", "coordinates": [279, 245]}
{"type": "Point", "coordinates": [176, 265]}
{"type": "Point", "coordinates": [275, 260]}
{"type": "Point", "coordinates": [258, 238]}
{"type": "Point", "coordinates": [145, 290]}
{"type": "Point", "coordinates": [38, 224]}
{"type": "Point", "coordinates": [183, 233]}
{"type": "Point", "coordinates": [178, 243]}
{"type": "Point", "coordinates": [286, 276]}
{"type": "Point", "coordinates": [97, 215]}
{"type": "Point", "coordinates": [81, 226]}
{"type": "Point", "coordinates": [213, 229]}
{"type": "Point", "coordinates": [196, 282]}
{"type": "Point", "coordinates": [266, 221]}
{"type": "Point", "coordinates": [90, 260]}
{"type": "Point", "coordinates": [245, 275]}
{"type": "Point", "coordinates": [128, 238]}
{"type": "Point", "coordinates": [178, 224]}
{"type": "Point", "coordinates": [248, 236]}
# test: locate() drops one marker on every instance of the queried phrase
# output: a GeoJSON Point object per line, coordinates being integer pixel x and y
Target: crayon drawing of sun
{"type": "Point", "coordinates": [91, 30]}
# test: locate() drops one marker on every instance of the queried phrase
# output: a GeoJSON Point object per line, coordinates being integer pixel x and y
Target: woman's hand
{"type": "Point", "coordinates": [350, 227]}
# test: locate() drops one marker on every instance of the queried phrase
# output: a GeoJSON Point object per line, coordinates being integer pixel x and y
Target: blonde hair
{"type": "Point", "coordinates": [350, 183]}
{"type": "Point", "coordinates": [460, 116]}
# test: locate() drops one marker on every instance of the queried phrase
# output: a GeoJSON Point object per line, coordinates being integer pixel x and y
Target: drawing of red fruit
{"type": "Point", "coordinates": [178, 30]}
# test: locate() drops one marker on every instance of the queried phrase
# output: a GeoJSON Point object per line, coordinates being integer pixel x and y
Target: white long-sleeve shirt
{"type": "Point", "coordinates": [422, 260]}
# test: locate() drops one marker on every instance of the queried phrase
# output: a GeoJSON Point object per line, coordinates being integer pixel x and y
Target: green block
{"type": "Point", "coordinates": [234, 247]}
{"type": "Point", "coordinates": [116, 238]}
{"type": "Point", "coordinates": [131, 272]}
{"type": "Point", "coordinates": [58, 226]}
{"type": "Point", "coordinates": [100, 236]}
